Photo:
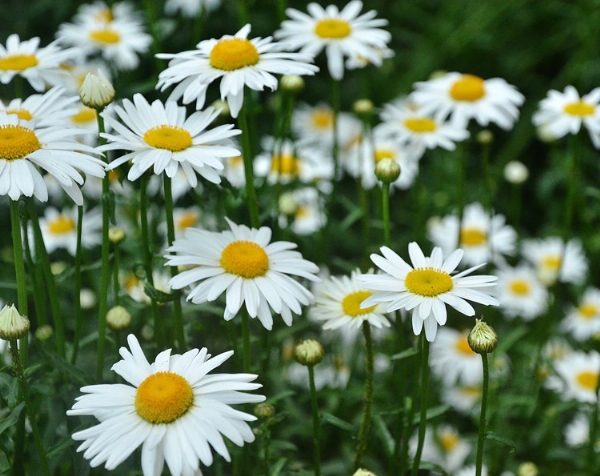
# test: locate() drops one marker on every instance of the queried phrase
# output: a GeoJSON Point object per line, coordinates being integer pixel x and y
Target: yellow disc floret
{"type": "Point", "coordinates": [245, 259]}
{"type": "Point", "coordinates": [420, 125]}
{"type": "Point", "coordinates": [85, 115]}
{"type": "Point", "coordinates": [285, 164]}
{"type": "Point", "coordinates": [472, 237]}
{"type": "Point", "coordinates": [321, 118]}
{"type": "Point", "coordinates": [384, 153]}
{"type": "Point", "coordinates": [18, 62]}
{"type": "Point", "coordinates": [520, 287]}
{"type": "Point", "coordinates": [171, 138]}
{"type": "Point", "coordinates": [462, 346]}
{"type": "Point", "coordinates": [588, 380]}
{"type": "Point", "coordinates": [163, 397]}
{"type": "Point", "coordinates": [468, 88]}
{"type": "Point", "coordinates": [17, 142]}
{"type": "Point", "coordinates": [332, 28]}
{"type": "Point", "coordinates": [428, 282]}
{"type": "Point", "coordinates": [580, 109]}
{"type": "Point", "coordinates": [233, 53]}
{"type": "Point", "coordinates": [105, 36]}
{"type": "Point", "coordinates": [588, 311]}
{"type": "Point", "coordinates": [61, 224]}
{"type": "Point", "coordinates": [351, 303]}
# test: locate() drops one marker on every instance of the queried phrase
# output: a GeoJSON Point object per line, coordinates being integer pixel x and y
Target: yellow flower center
{"type": "Point", "coordinates": [232, 54]}
{"type": "Point", "coordinates": [471, 391]}
{"type": "Point", "coordinates": [351, 303]}
{"type": "Point", "coordinates": [302, 212]}
{"type": "Point", "coordinates": [428, 282]}
{"type": "Point", "coordinates": [384, 153]}
{"type": "Point", "coordinates": [131, 281]}
{"type": "Point", "coordinates": [85, 115]}
{"type": "Point", "coordinates": [171, 138]}
{"type": "Point", "coordinates": [22, 114]}
{"type": "Point", "coordinates": [472, 237]}
{"type": "Point", "coordinates": [580, 109]}
{"type": "Point", "coordinates": [18, 62]}
{"type": "Point", "coordinates": [420, 125]}
{"type": "Point", "coordinates": [588, 311]}
{"type": "Point", "coordinates": [187, 219]}
{"type": "Point", "coordinates": [588, 380]}
{"type": "Point", "coordinates": [468, 88]}
{"type": "Point", "coordinates": [17, 142]}
{"type": "Point", "coordinates": [285, 165]}
{"type": "Point", "coordinates": [448, 440]}
{"type": "Point", "coordinates": [113, 176]}
{"type": "Point", "coordinates": [462, 346]}
{"type": "Point", "coordinates": [61, 224]}
{"type": "Point", "coordinates": [332, 28]}
{"type": "Point", "coordinates": [552, 262]}
{"type": "Point", "coordinates": [235, 162]}
{"type": "Point", "coordinates": [519, 287]}
{"type": "Point", "coordinates": [245, 259]}
{"type": "Point", "coordinates": [105, 15]}
{"type": "Point", "coordinates": [322, 118]}
{"type": "Point", "coordinates": [105, 36]}
{"type": "Point", "coordinates": [163, 397]}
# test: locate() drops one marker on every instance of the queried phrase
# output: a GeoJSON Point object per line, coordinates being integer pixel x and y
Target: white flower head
{"type": "Point", "coordinates": [521, 293]}
{"type": "Point", "coordinates": [583, 321]}
{"type": "Point", "coordinates": [59, 229]}
{"type": "Point", "coordinates": [576, 376]}
{"type": "Point", "coordinates": [554, 260]}
{"type": "Point", "coordinates": [444, 446]}
{"type": "Point", "coordinates": [190, 8]}
{"type": "Point", "coordinates": [452, 360]}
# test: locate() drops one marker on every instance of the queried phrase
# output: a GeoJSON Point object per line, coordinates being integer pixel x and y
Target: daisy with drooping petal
{"type": "Point", "coordinates": [426, 287]}
{"type": "Point", "coordinates": [339, 304]}
{"type": "Point", "coordinates": [577, 376]}
{"type": "Point", "coordinates": [248, 267]}
{"type": "Point", "coordinates": [59, 229]}
{"type": "Point", "coordinates": [466, 96]}
{"type": "Point", "coordinates": [452, 360]}
{"type": "Point", "coordinates": [554, 260]}
{"type": "Point", "coordinates": [564, 113]}
{"type": "Point", "coordinates": [237, 62]}
{"type": "Point", "coordinates": [160, 136]}
{"type": "Point", "coordinates": [482, 237]}
{"type": "Point", "coordinates": [343, 33]}
{"type": "Point", "coordinates": [583, 321]}
{"type": "Point", "coordinates": [25, 146]}
{"type": "Point", "coordinates": [190, 8]}
{"type": "Point", "coordinates": [44, 109]}
{"type": "Point", "coordinates": [520, 292]}
{"type": "Point", "coordinates": [173, 408]}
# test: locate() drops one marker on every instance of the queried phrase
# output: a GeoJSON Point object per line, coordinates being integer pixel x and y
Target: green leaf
{"type": "Point", "coordinates": [389, 444]}
{"type": "Point", "coordinates": [4, 464]}
{"type": "Point", "coordinates": [507, 341]}
{"type": "Point", "coordinates": [335, 421]}
{"type": "Point", "coordinates": [433, 412]}
{"type": "Point", "coordinates": [501, 439]}
{"type": "Point", "coordinates": [60, 447]}
{"type": "Point", "coordinates": [404, 354]}
{"type": "Point", "coordinates": [277, 467]}
{"type": "Point", "coordinates": [12, 418]}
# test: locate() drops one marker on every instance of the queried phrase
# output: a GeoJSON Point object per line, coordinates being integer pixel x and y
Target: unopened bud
{"type": "Point", "coordinates": [221, 105]}
{"type": "Point", "coordinates": [118, 318]}
{"type": "Point", "coordinates": [483, 338]}
{"type": "Point", "coordinates": [264, 410]}
{"type": "Point", "coordinates": [516, 172]}
{"type": "Point", "coordinates": [287, 204]}
{"type": "Point", "coordinates": [292, 83]}
{"type": "Point", "coordinates": [387, 170]}
{"type": "Point", "coordinates": [527, 469]}
{"type": "Point", "coordinates": [485, 137]}
{"type": "Point", "coordinates": [116, 235]}
{"type": "Point", "coordinates": [363, 472]}
{"type": "Point", "coordinates": [87, 298]}
{"type": "Point", "coordinates": [363, 106]}
{"type": "Point", "coordinates": [96, 91]}
{"type": "Point", "coordinates": [44, 332]}
{"type": "Point", "coordinates": [12, 324]}
{"type": "Point", "coordinates": [309, 352]}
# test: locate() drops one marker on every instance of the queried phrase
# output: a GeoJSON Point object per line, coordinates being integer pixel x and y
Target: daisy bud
{"type": "Point", "coordinates": [13, 325]}
{"type": "Point", "coordinates": [118, 318]}
{"type": "Point", "coordinates": [57, 267]}
{"type": "Point", "coordinates": [387, 170]}
{"type": "Point", "coordinates": [116, 235]}
{"type": "Point", "coordinates": [527, 469]}
{"type": "Point", "coordinates": [291, 83]}
{"type": "Point", "coordinates": [44, 332]}
{"type": "Point", "coordinates": [222, 107]}
{"type": "Point", "coordinates": [264, 410]}
{"type": "Point", "coordinates": [482, 339]}
{"type": "Point", "coordinates": [363, 472]}
{"type": "Point", "coordinates": [516, 172]}
{"type": "Point", "coordinates": [87, 298]}
{"type": "Point", "coordinates": [287, 204]}
{"type": "Point", "coordinates": [309, 352]}
{"type": "Point", "coordinates": [96, 91]}
{"type": "Point", "coordinates": [363, 106]}
{"type": "Point", "coordinates": [485, 137]}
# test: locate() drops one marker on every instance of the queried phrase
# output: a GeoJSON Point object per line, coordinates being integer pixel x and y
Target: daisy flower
{"type": "Point", "coordinates": [173, 408]}
{"type": "Point", "coordinates": [577, 432]}
{"type": "Point", "coordinates": [339, 302]}
{"type": "Point", "coordinates": [25, 146]}
{"type": "Point", "coordinates": [160, 136]}
{"type": "Point", "coordinates": [482, 237]}
{"type": "Point", "coordinates": [190, 8]}
{"type": "Point", "coordinates": [44, 109]}
{"type": "Point", "coordinates": [304, 209]}
{"type": "Point", "coordinates": [426, 287]}
{"type": "Point", "coordinates": [554, 260]}
{"type": "Point", "coordinates": [343, 33]}
{"type": "Point", "coordinates": [564, 113]}
{"type": "Point", "coordinates": [237, 61]}
{"type": "Point", "coordinates": [244, 263]}
{"type": "Point", "coordinates": [452, 360]}
{"type": "Point", "coordinates": [443, 446]}
{"type": "Point", "coordinates": [576, 376]}
{"type": "Point", "coordinates": [583, 322]}
{"type": "Point", "coordinates": [59, 229]}
{"type": "Point", "coordinates": [462, 398]}
{"type": "Point", "coordinates": [465, 97]}
{"type": "Point", "coordinates": [134, 287]}
{"type": "Point", "coordinates": [521, 293]}
{"type": "Point", "coordinates": [39, 66]}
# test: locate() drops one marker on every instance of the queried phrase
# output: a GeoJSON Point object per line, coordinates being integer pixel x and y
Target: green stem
{"type": "Point", "coordinates": [363, 197]}
{"type": "Point", "coordinates": [335, 103]}
{"type": "Point", "coordinates": [116, 267]}
{"type": "Point", "coordinates": [246, 342]}
{"type": "Point", "coordinates": [461, 170]}
{"type": "Point", "coordinates": [411, 414]}
{"type": "Point", "coordinates": [385, 208]}
{"type": "Point", "coordinates": [77, 286]}
{"type": "Point", "coordinates": [423, 410]}
{"type": "Point", "coordinates": [365, 424]}
{"type": "Point", "coordinates": [489, 180]}
{"type": "Point", "coordinates": [572, 186]}
{"type": "Point", "coordinates": [248, 167]}
{"type": "Point", "coordinates": [315, 418]}
{"type": "Point", "coordinates": [482, 421]}
{"type": "Point", "coordinates": [178, 330]}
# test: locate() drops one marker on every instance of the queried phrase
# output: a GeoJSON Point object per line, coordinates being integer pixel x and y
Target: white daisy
{"type": "Point", "coordinates": [577, 432]}
{"type": "Point", "coordinates": [59, 229]}
{"type": "Point", "coordinates": [339, 304]}
{"type": "Point", "coordinates": [99, 11]}
{"type": "Point", "coordinates": [521, 293]}
{"type": "Point", "coordinates": [39, 66]}
{"type": "Point", "coordinates": [583, 322]}
{"type": "Point", "coordinates": [465, 97]}
{"type": "Point", "coordinates": [427, 287]}
{"type": "Point", "coordinates": [452, 360]}
{"type": "Point", "coordinates": [234, 171]}
{"type": "Point", "coordinates": [576, 376]}
{"type": "Point", "coordinates": [564, 113]}
{"type": "Point", "coordinates": [462, 398]}
{"type": "Point", "coordinates": [25, 146]}
{"type": "Point", "coordinates": [483, 238]}
{"type": "Point", "coordinates": [443, 446]}
{"type": "Point", "coordinates": [342, 34]}
{"type": "Point", "coordinates": [358, 62]}
{"type": "Point", "coordinates": [553, 260]}
{"type": "Point", "coordinates": [43, 109]}
{"type": "Point", "coordinates": [86, 118]}
{"type": "Point", "coordinates": [302, 210]}
{"type": "Point", "coordinates": [134, 287]}
{"type": "Point", "coordinates": [76, 73]}
{"type": "Point", "coordinates": [160, 136]}
{"type": "Point", "coordinates": [248, 267]}
{"type": "Point", "coordinates": [173, 408]}
{"type": "Point", "coordinates": [190, 8]}
{"type": "Point", "coordinates": [237, 61]}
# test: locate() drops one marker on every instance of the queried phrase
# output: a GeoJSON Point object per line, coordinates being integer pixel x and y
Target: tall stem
{"type": "Point", "coordinates": [385, 208]}
{"type": "Point", "coordinates": [248, 167]}
{"type": "Point", "coordinates": [365, 424]}
{"type": "Point", "coordinates": [335, 102]}
{"type": "Point", "coordinates": [482, 421]}
{"type": "Point", "coordinates": [77, 286]}
{"type": "Point", "coordinates": [316, 422]}
{"type": "Point", "coordinates": [423, 417]}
